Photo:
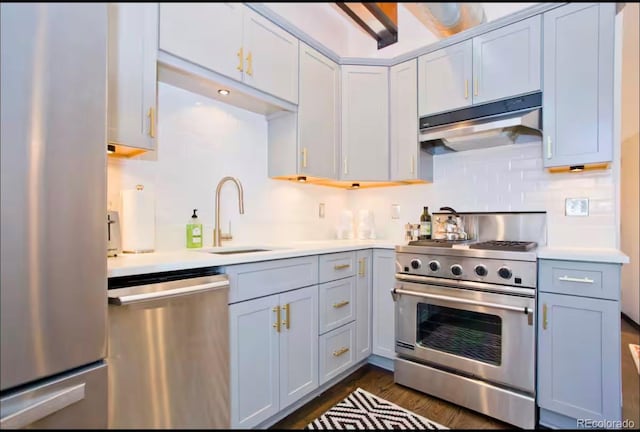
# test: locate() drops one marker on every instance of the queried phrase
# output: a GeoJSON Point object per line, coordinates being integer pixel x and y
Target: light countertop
{"type": "Point", "coordinates": [613, 256]}
{"type": "Point", "coordinates": [132, 264]}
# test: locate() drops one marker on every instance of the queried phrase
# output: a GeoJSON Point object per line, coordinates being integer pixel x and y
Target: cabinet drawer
{"type": "Point", "coordinates": [337, 266]}
{"type": "Point", "coordinates": [587, 279]}
{"type": "Point", "coordinates": [337, 303]}
{"type": "Point", "coordinates": [260, 279]}
{"type": "Point", "coordinates": [337, 351]}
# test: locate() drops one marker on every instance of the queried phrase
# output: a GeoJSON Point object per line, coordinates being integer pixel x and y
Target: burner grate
{"type": "Point", "coordinates": [436, 242]}
{"type": "Point", "coordinates": [517, 246]}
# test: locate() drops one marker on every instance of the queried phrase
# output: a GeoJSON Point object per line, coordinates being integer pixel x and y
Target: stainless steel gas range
{"type": "Point", "coordinates": [465, 316]}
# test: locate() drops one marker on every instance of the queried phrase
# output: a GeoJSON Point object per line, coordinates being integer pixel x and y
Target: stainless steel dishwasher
{"type": "Point", "coordinates": [168, 352]}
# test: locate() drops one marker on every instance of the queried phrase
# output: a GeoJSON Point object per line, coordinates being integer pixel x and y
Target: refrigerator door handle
{"type": "Point", "coordinates": [43, 407]}
{"type": "Point", "coordinates": [157, 295]}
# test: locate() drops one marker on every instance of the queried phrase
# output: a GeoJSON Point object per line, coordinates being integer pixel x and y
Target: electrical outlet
{"type": "Point", "coordinates": [395, 211]}
{"type": "Point", "coordinates": [321, 211]}
{"type": "Point", "coordinates": [576, 207]}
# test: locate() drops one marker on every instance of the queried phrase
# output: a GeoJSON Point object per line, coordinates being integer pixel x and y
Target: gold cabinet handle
{"type": "Point", "coordinates": [341, 266]}
{"type": "Point", "coordinates": [544, 317]}
{"type": "Point", "coordinates": [152, 122]}
{"type": "Point", "coordinates": [341, 351]}
{"type": "Point", "coordinates": [466, 89]}
{"type": "Point", "coordinates": [249, 64]}
{"type": "Point", "coordinates": [276, 325]}
{"type": "Point", "coordinates": [475, 87]}
{"type": "Point", "coordinates": [341, 304]}
{"type": "Point", "coordinates": [361, 267]}
{"type": "Point", "coordinates": [549, 147]}
{"type": "Point", "coordinates": [304, 157]}
{"type": "Point", "coordinates": [287, 316]}
{"type": "Point", "coordinates": [240, 64]}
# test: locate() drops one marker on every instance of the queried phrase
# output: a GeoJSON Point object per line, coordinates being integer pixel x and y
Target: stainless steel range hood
{"type": "Point", "coordinates": [482, 126]}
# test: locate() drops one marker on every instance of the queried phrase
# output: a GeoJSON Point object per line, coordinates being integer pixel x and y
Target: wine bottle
{"type": "Point", "coordinates": [425, 224]}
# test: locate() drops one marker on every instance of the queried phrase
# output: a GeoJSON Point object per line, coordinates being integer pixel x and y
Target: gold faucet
{"type": "Point", "coordinates": [218, 236]}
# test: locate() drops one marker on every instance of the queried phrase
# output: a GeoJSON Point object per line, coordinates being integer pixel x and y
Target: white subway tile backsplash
{"type": "Point", "coordinates": [202, 140]}
{"type": "Point", "coordinates": [510, 178]}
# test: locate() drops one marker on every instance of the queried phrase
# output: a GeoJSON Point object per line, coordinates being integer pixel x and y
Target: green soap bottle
{"type": "Point", "coordinates": [194, 232]}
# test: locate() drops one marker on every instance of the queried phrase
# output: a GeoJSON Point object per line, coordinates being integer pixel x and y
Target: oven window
{"type": "Point", "coordinates": [464, 333]}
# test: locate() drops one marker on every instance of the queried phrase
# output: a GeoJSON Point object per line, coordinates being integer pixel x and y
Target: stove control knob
{"type": "Point", "coordinates": [416, 264]}
{"type": "Point", "coordinates": [481, 270]}
{"type": "Point", "coordinates": [504, 272]}
{"type": "Point", "coordinates": [434, 265]}
{"type": "Point", "coordinates": [456, 269]}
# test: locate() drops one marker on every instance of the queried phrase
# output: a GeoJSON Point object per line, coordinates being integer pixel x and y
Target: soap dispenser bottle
{"type": "Point", "coordinates": [194, 231]}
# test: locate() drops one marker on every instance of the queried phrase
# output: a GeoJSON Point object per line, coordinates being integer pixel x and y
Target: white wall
{"type": "Point", "coordinates": [329, 25]}
{"type": "Point", "coordinates": [630, 163]}
{"type": "Point", "coordinates": [508, 178]}
{"type": "Point", "coordinates": [201, 141]}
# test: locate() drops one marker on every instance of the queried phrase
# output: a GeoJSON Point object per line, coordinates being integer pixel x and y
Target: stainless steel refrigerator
{"type": "Point", "coordinates": [53, 211]}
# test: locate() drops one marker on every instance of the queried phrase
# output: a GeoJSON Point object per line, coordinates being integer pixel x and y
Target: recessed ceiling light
{"type": "Point", "coordinates": [302, 179]}
{"type": "Point", "coordinates": [355, 185]}
{"type": "Point", "coordinates": [111, 148]}
{"type": "Point", "coordinates": [576, 168]}
{"type": "Point", "coordinates": [224, 92]}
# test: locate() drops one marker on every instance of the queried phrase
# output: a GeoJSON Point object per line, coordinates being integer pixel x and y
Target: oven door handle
{"type": "Point", "coordinates": [524, 310]}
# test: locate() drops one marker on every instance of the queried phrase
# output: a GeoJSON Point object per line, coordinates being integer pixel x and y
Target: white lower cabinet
{"type": "Point", "coordinates": [345, 313]}
{"type": "Point", "coordinates": [337, 351]}
{"type": "Point", "coordinates": [337, 331]}
{"type": "Point", "coordinates": [384, 266]}
{"type": "Point", "coordinates": [578, 359]}
{"type": "Point", "coordinates": [286, 344]}
{"type": "Point", "coordinates": [363, 303]}
{"type": "Point", "coordinates": [337, 303]}
{"type": "Point", "coordinates": [274, 354]}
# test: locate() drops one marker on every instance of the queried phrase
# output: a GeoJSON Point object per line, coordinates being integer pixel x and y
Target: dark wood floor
{"type": "Point", "coordinates": [380, 382]}
{"type": "Point", "coordinates": [630, 377]}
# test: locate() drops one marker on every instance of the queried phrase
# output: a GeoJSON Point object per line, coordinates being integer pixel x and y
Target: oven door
{"type": "Point", "coordinates": [482, 334]}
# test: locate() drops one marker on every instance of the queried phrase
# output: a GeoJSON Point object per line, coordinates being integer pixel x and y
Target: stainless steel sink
{"type": "Point", "coordinates": [239, 251]}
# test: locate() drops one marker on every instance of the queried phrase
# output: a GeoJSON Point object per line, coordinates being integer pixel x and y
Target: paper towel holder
{"type": "Point", "coordinates": [129, 250]}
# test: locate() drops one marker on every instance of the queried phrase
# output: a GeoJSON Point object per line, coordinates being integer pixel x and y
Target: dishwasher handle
{"type": "Point", "coordinates": [158, 295]}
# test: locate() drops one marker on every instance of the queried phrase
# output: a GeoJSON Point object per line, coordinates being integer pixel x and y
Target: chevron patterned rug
{"type": "Point", "coordinates": [364, 411]}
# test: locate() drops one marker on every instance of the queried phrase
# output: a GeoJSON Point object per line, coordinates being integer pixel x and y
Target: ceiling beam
{"type": "Point", "coordinates": [379, 20]}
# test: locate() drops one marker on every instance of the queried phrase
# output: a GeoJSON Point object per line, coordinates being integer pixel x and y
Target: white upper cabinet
{"type": "Point", "coordinates": [365, 123]}
{"type": "Point", "coordinates": [445, 79]}
{"type": "Point", "coordinates": [232, 40]}
{"type": "Point", "coordinates": [501, 63]}
{"type": "Point", "coordinates": [306, 143]}
{"type": "Point", "coordinates": [578, 84]}
{"type": "Point", "coordinates": [407, 160]}
{"type": "Point", "coordinates": [271, 57]}
{"type": "Point", "coordinates": [208, 34]}
{"type": "Point", "coordinates": [133, 48]}
{"type": "Point", "coordinates": [318, 114]}
{"type": "Point", "coordinates": [506, 61]}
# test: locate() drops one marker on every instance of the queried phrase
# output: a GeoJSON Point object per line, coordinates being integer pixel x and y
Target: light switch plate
{"type": "Point", "coordinates": [321, 211]}
{"type": "Point", "coordinates": [395, 211]}
{"type": "Point", "coordinates": [576, 207]}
